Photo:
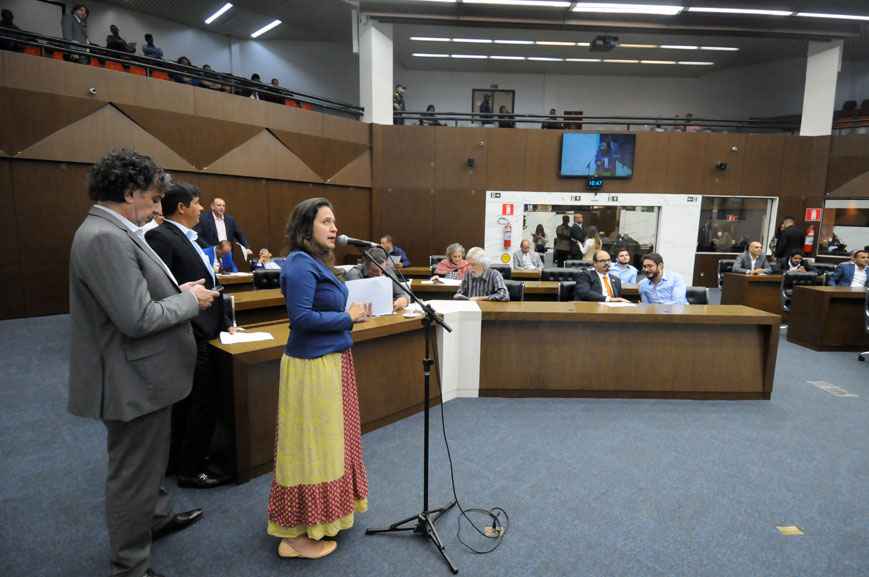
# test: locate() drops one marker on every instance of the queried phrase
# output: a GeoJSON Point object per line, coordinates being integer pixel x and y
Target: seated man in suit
{"type": "Point", "coordinates": [220, 257]}
{"type": "Point", "coordinates": [796, 263]}
{"type": "Point", "coordinates": [752, 261]}
{"type": "Point", "coordinates": [369, 270]}
{"type": "Point", "coordinates": [852, 274]}
{"type": "Point", "coordinates": [659, 287]}
{"type": "Point", "coordinates": [265, 261]}
{"type": "Point", "coordinates": [395, 252]}
{"type": "Point", "coordinates": [598, 284]}
{"type": "Point", "coordinates": [525, 258]}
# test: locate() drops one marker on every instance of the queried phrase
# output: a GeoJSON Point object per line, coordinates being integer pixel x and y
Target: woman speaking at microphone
{"type": "Point", "coordinates": [320, 479]}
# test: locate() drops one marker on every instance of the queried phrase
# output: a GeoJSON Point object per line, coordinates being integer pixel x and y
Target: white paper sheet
{"type": "Point", "coordinates": [376, 290]}
{"type": "Point", "coordinates": [620, 304]}
{"type": "Point", "coordinates": [447, 281]}
{"type": "Point", "coordinates": [243, 337]}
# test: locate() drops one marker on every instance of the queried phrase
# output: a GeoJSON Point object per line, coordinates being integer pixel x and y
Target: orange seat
{"type": "Point", "coordinates": [292, 103]}
{"type": "Point", "coordinates": [57, 55]}
{"type": "Point", "coordinates": [112, 65]}
{"type": "Point", "coordinates": [137, 70]}
{"type": "Point", "coordinates": [96, 63]}
{"type": "Point", "coordinates": [33, 50]}
{"type": "Point", "coordinates": [308, 106]}
{"type": "Point", "coordinates": [159, 75]}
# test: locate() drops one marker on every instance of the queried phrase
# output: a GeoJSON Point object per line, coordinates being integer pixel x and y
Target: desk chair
{"type": "Point", "coordinates": [434, 259]}
{"type": "Point", "coordinates": [577, 264]}
{"type": "Point", "coordinates": [506, 271]}
{"type": "Point", "coordinates": [824, 269]}
{"type": "Point", "coordinates": [862, 356]}
{"type": "Point", "coordinates": [266, 279]}
{"type": "Point", "coordinates": [567, 290]}
{"type": "Point", "coordinates": [561, 274]}
{"type": "Point", "coordinates": [697, 295]}
{"type": "Point", "coordinates": [516, 290]}
{"type": "Point", "coordinates": [724, 266]}
{"type": "Point", "coordinates": [791, 279]}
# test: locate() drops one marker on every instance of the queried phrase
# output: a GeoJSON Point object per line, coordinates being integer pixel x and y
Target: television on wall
{"type": "Point", "coordinates": [596, 154]}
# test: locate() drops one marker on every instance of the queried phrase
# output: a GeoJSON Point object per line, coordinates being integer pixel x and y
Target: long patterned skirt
{"type": "Point", "coordinates": [320, 479]}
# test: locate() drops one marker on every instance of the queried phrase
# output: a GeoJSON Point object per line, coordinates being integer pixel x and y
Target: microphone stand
{"type": "Point", "coordinates": [422, 523]}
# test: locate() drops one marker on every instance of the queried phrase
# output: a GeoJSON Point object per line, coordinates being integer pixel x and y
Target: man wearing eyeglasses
{"type": "Point", "coordinates": [598, 284]}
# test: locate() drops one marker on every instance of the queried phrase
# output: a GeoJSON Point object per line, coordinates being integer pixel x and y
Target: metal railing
{"type": "Point", "coordinates": [50, 46]}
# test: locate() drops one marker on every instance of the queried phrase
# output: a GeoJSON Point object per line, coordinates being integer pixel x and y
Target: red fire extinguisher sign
{"type": "Point", "coordinates": [506, 210]}
{"type": "Point", "coordinates": [813, 214]}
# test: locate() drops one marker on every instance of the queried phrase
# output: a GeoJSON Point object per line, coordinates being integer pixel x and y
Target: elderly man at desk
{"type": "Point", "coordinates": [481, 283]}
{"type": "Point", "coordinates": [368, 269]}
{"type": "Point", "coordinates": [525, 258]}
{"type": "Point", "coordinates": [752, 261]}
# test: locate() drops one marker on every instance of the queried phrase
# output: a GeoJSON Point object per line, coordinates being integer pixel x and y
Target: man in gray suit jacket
{"type": "Point", "coordinates": [132, 351]}
{"type": "Point", "coordinates": [752, 261]}
{"type": "Point", "coordinates": [525, 258]}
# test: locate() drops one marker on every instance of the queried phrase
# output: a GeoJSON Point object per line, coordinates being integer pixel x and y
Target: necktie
{"type": "Point", "coordinates": [607, 285]}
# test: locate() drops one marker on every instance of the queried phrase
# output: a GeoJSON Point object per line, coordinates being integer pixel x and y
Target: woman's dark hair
{"type": "Point", "coordinates": [539, 229]}
{"type": "Point", "coordinates": [122, 171]}
{"type": "Point", "coordinates": [430, 108]}
{"type": "Point", "coordinates": [184, 60]}
{"type": "Point", "coordinates": [300, 230]}
{"type": "Point", "coordinates": [178, 192]}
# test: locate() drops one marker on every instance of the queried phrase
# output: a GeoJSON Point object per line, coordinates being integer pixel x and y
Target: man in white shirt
{"type": "Point", "coordinates": [216, 225]}
{"type": "Point", "coordinates": [525, 258]}
{"type": "Point", "coordinates": [852, 274]}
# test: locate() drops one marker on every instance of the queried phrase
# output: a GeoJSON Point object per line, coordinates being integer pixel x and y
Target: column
{"type": "Point", "coordinates": [375, 70]}
{"type": "Point", "coordinates": [819, 97]}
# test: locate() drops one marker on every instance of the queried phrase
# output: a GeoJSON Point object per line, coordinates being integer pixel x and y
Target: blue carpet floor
{"type": "Point", "coordinates": [602, 488]}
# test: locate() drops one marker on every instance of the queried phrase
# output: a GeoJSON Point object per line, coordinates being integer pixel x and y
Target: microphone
{"type": "Point", "coordinates": [345, 240]}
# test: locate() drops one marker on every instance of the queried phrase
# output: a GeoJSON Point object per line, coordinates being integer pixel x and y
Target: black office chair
{"type": "Point", "coordinates": [697, 295]}
{"type": "Point", "coordinates": [567, 290]}
{"type": "Point", "coordinates": [791, 279]}
{"type": "Point", "coordinates": [862, 356]}
{"type": "Point", "coordinates": [506, 271]}
{"type": "Point", "coordinates": [266, 279]}
{"type": "Point", "coordinates": [516, 290]}
{"type": "Point", "coordinates": [561, 274]}
{"type": "Point", "coordinates": [434, 259]}
{"type": "Point", "coordinates": [724, 266]}
{"type": "Point", "coordinates": [824, 269]}
{"type": "Point", "coordinates": [577, 264]}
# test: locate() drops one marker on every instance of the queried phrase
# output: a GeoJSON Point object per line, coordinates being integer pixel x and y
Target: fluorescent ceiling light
{"type": "Point", "coordinates": [469, 56]}
{"type": "Point", "coordinates": [533, 3]}
{"type": "Point", "coordinates": [759, 12]}
{"type": "Point", "coordinates": [720, 48]}
{"type": "Point", "coordinates": [679, 47]}
{"type": "Point", "coordinates": [834, 16]}
{"type": "Point", "coordinates": [620, 61]}
{"type": "Point", "coordinates": [583, 59]}
{"type": "Point", "coordinates": [266, 28]}
{"type": "Point", "coordinates": [688, 63]}
{"type": "Point", "coordinates": [638, 45]}
{"type": "Point", "coordinates": [424, 55]}
{"type": "Point", "coordinates": [429, 39]}
{"type": "Point", "coordinates": [545, 59]}
{"type": "Point", "coordinates": [441, 1]}
{"type": "Point", "coordinates": [506, 58]}
{"type": "Point", "coordinates": [514, 42]}
{"type": "Point", "coordinates": [223, 10]}
{"type": "Point", "coordinates": [554, 43]}
{"type": "Point", "coordinates": [583, 43]}
{"type": "Point", "coordinates": [612, 8]}
{"type": "Point", "coordinates": [657, 62]}
{"type": "Point", "coordinates": [473, 40]}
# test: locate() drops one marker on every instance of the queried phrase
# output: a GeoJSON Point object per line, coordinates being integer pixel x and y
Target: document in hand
{"type": "Point", "coordinates": [376, 290]}
{"type": "Point", "coordinates": [446, 281]}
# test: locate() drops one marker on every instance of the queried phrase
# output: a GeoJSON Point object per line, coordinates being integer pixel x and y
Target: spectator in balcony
{"type": "Point", "coordinates": [429, 117]}
{"type": "Point", "coordinates": [115, 42]}
{"type": "Point", "coordinates": [275, 86]}
{"type": "Point", "coordinates": [6, 23]}
{"type": "Point", "coordinates": [75, 25]}
{"type": "Point", "coordinates": [552, 124]}
{"type": "Point", "coordinates": [151, 50]}
{"type": "Point", "coordinates": [486, 110]}
{"type": "Point", "coordinates": [207, 71]}
{"type": "Point", "coordinates": [505, 119]}
{"type": "Point", "coordinates": [183, 78]}
{"type": "Point", "coordinates": [398, 104]}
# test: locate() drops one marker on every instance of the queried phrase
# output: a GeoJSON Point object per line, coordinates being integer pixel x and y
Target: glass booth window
{"type": "Point", "coordinates": [729, 223]}
{"type": "Point", "coordinates": [845, 227]}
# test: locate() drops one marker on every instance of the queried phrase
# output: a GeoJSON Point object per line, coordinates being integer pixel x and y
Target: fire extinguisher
{"type": "Point", "coordinates": [809, 243]}
{"type": "Point", "coordinates": [508, 232]}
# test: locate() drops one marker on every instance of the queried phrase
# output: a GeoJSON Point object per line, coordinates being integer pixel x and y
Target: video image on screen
{"type": "Point", "coordinates": [594, 154]}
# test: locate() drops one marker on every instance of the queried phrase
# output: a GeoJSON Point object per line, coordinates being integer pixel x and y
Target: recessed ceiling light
{"type": "Point", "coordinates": [834, 16]}
{"type": "Point", "coordinates": [720, 48]}
{"type": "Point", "coordinates": [620, 61]}
{"type": "Point", "coordinates": [638, 45]}
{"type": "Point", "coordinates": [469, 56]}
{"type": "Point", "coordinates": [583, 59]}
{"type": "Point", "coordinates": [759, 12]}
{"type": "Point", "coordinates": [506, 58]}
{"type": "Point", "coordinates": [657, 62]}
{"type": "Point", "coordinates": [679, 47]}
{"type": "Point", "coordinates": [223, 10]}
{"type": "Point", "coordinates": [583, 43]}
{"type": "Point", "coordinates": [534, 3]}
{"type": "Point", "coordinates": [473, 40]}
{"type": "Point", "coordinates": [514, 42]}
{"type": "Point", "coordinates": [688, 63]}
{"type": "Point", "coordinates": [554, 43]}
{"type": "Point", "coordinates": [424, 55]}
{"type": "Point", "coordinates": [266, 28]}
{"type": "Point", "coordinates": [545, 59]}
{"type": "Point", "coordinates": [429, 39]}
{"type": "Point", "coordinates": [612, 8]}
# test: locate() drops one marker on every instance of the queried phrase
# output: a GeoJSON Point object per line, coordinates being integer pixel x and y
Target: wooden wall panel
{"type": "Point", "coordinates": [230, 107]}
{"type": "Point", "coordinates": [761, 174]}
{"type": "Point", "coordinates": [650, 166]}
{"type": "Point", "coordinates": [356, 173]}
{"type": "Point", "coordinates": [729, 148]}
{"type": "Point", "coordinates": [408, 217]}
{"type": "Point", "coordinates": [542, 163]}
{"type": "Point", "coordinates": [505, 162]}
{"type": "Point", "coordinates": [685, 170]}
{"type": "Point", "coordinates": [459, 216]}
{"type": "Point", "coordinates": [849, 158]}
{"type": "Point", "coordinates": [264, 156]}
{"type": "Point", "coordinates": [10, 255]}
{"type": "Point", "coordinates": [345, 129]}
{"type": "Point", "coordinates": [353, 214]}
{"type": "Point", "coordinates": [453, 148]}
{"type": "Point", "coordinates": [295, 120]}
{"type": "Point", "coordinates": [404, 157]}
{"type": "Point", "coordinates": [803, 174]}
{"type": "Point", "coordinates": [281, 197]}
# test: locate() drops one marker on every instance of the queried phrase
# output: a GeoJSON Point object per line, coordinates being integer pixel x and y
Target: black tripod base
{"type": "Point", "coordinates": [422, 524]}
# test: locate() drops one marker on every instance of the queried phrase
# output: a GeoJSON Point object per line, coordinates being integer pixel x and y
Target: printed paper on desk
{"type": "Point", "coordinates": [376, 290]}
{"type": "Point", "coordinates": [618, 304]}
{"type": "Point", "coordinates": [230, 339]}
{"type": "Point", "coordinates": [447, 281]}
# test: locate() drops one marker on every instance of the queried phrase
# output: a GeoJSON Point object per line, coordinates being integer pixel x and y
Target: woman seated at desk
{"type": "Point", "coordinates": [454, 266]}
{"type": "Point", "coordinates": [482, 283]}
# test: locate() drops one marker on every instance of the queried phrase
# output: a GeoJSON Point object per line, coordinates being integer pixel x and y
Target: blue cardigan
{"type": "Point", "coordinates": [315, 305]}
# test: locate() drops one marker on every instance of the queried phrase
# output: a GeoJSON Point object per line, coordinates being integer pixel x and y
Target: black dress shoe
{"type": "Point", "coordinates": [202, 480]}
{"type": "Point", "coordinates": [178, 522]}
{"type": "Point", "coordinates": [149, 573]}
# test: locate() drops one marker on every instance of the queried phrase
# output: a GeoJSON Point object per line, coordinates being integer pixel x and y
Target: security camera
{"type": "Point", "coordinates": [721, 165]}
{"type": "Point", "coordinates": [92, 91]}
{"type": "Point", "coordinates": [471, 162]}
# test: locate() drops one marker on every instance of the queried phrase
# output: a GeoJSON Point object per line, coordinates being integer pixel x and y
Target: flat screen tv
{"type": "Point", "coordinates": [595, 154]}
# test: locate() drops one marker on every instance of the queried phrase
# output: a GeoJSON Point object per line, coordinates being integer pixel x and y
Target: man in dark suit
{"type": "Point", "coordinates": [132, 352]}
{"type": "Point", "coordinates": [854, 273]}
{"type": "Point", "coordinates": [193, 419]}
{"type": "Point", "coordinates": [215, 225]}
{"type": "Point", "coordinates": [598, 284]}
{"type": "Point", "coordinates": [790, 240]}
{"type": "Point", "coordinates": [577, 236]}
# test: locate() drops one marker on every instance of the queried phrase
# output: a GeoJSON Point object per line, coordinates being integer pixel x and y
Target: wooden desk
{"type": "Point", "coordinates": [387, 353]}
{"type": "Point", "coordinates": [235, 283]}
{"type": "Point", "coordinates": [828, 318]}
{"type": "Point", "coordinates": [258, 306]}
{"type": "Point", "coordinates": [660, 351]}
{"type": "Point", "coordinates": [416, 271]}
{"type": "Point", "coordinates": [537, 288]}
{"type": "Point", "coordinates": [525, 274]}
{"type": "Point", "coordinates": [762, 292]}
